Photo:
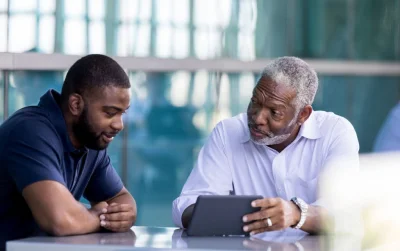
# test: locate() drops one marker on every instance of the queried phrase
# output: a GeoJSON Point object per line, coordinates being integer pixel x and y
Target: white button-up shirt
{"type": "Point", "coordinates": [230, 163]}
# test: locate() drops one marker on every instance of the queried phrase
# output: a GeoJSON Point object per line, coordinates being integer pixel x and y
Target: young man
{"type": "Point", "coordinates": [278, 150]}
{"type": "Point", "coordinates": [53, 153]}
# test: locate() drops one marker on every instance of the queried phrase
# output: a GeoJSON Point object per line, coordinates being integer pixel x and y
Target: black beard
{"type": "Point", "coordinates": [85, 133]}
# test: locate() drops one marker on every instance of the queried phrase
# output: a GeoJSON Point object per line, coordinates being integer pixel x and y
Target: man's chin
{"type": "Point", "coordinates": [98, 147]}
{"type": "Point", "coordinates": [267, 141]}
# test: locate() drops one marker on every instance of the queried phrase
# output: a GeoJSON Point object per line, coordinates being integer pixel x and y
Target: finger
{"type": "Point", "coordinates": [263, 223]}
{"type": "Point", "coordinates": [116, 225]}
{"type": "Point", "coordinates": [278, 223]}
{"type": "Point", "coordinates": [260, 230]}
{"type": "Point", "coordinates": [266, 202]}
{"type": "Point", "coordinates": [262, 214]}
{"type": "Point", "coordinates": [119, 208]}
{"type": "Point", "coordinates": [124, 216]}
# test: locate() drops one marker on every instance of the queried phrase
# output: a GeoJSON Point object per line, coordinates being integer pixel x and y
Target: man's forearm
{"type": "Point", "coordinates": [76, 220]}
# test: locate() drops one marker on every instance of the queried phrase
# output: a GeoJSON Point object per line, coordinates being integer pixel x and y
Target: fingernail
{"type": "Point", "coordinates": [252, 233]}
{"type": "Point", "coordinates": [102, 217]}
{"type": "Point", "coordinates": [103, 223]}
{"type": "Point", "coordinates": [244, 218]}
{"type": "Point", "coordinates": [253, 204]}
{"type": "Point", "coordinates": [245, 228]}
{"type": "Point", "coordinates": [104, 210]}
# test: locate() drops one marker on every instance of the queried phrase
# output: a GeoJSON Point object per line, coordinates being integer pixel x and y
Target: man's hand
{"type": "Point", "coordinates": [97, 209]}
{"type": "Point", "coordinates": [118, 217]}
{"type": "Point", "coordinates": [281, 213]}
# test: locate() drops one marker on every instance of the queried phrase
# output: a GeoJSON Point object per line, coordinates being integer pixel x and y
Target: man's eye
{"type": "Point", "coordinates": [110, 114]}
{"type": "Point", "coordinates": [276, 113]}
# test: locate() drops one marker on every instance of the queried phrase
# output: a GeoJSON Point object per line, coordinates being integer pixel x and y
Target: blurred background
{"type": "Point", "coordinates": [195, 62]}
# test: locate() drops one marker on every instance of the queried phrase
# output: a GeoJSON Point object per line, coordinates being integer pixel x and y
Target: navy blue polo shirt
{"type": "Point", "coordinates": [35, 146]}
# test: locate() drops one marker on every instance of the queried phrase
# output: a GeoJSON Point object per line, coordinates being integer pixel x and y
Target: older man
{"type": "Point", "coordinates": [278, 150]}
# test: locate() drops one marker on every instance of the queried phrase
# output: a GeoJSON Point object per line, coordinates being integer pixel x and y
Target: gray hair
{"type": "Point", "coordinates": [297, 74]}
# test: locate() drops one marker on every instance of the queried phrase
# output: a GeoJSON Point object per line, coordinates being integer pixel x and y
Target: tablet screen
{"type": "Point", "coordinates": [220, 215]}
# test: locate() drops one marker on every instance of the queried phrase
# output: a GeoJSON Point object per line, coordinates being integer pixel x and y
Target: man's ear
{"type": "Point", "coordinates": [304, 114]}
{"type": "Point", "coordinates": [75, 104]}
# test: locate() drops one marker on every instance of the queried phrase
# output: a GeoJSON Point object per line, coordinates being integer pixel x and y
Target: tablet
{"type": "Point", "coordinates": [220, 215]}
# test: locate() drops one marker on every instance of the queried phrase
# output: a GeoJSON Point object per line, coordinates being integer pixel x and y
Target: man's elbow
{"type": "Point", "coordinates": [62, 226]}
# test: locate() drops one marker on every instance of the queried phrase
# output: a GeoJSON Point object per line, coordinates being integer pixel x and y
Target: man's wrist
{"type": "Point", "coordinates": [296, 214]}
{"type": "Point", "coordinates": [303, 207]}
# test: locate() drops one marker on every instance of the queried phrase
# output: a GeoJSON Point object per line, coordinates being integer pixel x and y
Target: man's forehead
{"type": "Point", "coordinates": [274, 93]}
{"type": "Point", "coordinates": [110, 96]}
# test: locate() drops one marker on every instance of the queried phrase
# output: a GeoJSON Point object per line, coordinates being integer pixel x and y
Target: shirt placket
{"type": "Point", "coordinates": [279, 171]}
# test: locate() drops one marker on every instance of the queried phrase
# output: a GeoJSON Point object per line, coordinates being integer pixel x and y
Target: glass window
{"type": "Point", "coordinates": [180, 12]}
{"type": "Point", "coordinates": [47, 6]}
{"type": "Point", "coordinates": [26, 87]}
{"type": "Point", "coordinates": [46, 34]}
{"type": "Point", "coordinates": [97, 37]}
{"type": "Point", "coordinates": [24, 5]}
{"type": "Point", "coordinates": [75, 8]}
{"type": "Point", "coordinates": [3, 5]}
{"type": "Point", "coordinates": [356, 105]}
{"type": "Point", "coordinates": [3, 30]}
{"type": "Point", "coordinates": [141, 43]}
{"type": "Point", "coordinates": [75, 28]}
{"type": "Point", "coordinates": [164, 43]}
{"type": "Point", "coordinates": [96, 9]}
{"type": "Point", "coordinates": [22, 32]}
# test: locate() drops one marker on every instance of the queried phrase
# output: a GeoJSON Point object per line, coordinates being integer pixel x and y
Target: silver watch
{"type": "Point", "coordinates": [303, 211]}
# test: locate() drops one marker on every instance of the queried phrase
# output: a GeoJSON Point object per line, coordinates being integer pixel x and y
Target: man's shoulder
{"type": "Point", "coordinates": [27, 122]}
{"type": "Point", "coordinates": [329, 121]}
{"type": "Point", "coordinates": [233, 128]}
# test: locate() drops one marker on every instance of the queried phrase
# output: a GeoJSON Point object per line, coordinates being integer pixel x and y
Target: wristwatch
{"type": "Point", "coordinates": [303, 211]}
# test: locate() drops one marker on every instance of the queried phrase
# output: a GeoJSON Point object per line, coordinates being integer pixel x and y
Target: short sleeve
{"type": "Point", "coordinates": [105, 182]}
{"type": "Point", "coordinates": [33, 153]}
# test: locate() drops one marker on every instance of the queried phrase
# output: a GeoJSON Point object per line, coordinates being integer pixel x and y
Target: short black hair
{"type": "Point", "coordinates": [92, 72]}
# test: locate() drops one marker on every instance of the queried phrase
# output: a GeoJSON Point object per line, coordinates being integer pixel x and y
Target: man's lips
{"type": "Point", "coordinates": [257, 133]}
{"type": "Point", "coordinates": [108, 137]}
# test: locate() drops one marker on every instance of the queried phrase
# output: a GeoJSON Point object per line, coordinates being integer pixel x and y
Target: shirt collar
{"type": "Point", "coordinates": [309, 129]}
{"type": "Point", "coordinates": [50, 102]}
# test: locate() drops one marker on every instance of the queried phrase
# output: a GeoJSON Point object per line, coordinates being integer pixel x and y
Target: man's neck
{"type": "Point", "coordinates": [280, 147]}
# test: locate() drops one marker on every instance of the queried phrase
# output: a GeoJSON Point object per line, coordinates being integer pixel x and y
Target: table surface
{"type": "Point", "coordinates": [159, 238]}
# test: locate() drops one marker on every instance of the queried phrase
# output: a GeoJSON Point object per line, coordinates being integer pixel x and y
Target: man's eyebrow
{"type": "Point", "coordinates": [115, 108]}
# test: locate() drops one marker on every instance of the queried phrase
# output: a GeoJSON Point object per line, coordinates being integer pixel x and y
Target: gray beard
{"type": "Point", "coordinates": [272, 139]}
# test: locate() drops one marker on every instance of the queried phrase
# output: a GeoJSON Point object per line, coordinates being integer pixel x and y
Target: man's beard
{"type": "Point", "coordinates": [85, 133]}
{"type": "Point", "coordinates": [272, 139]}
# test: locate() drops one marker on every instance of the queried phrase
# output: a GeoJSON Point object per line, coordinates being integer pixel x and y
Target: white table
{"type": "Point", "coordinates": [158, 238]}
